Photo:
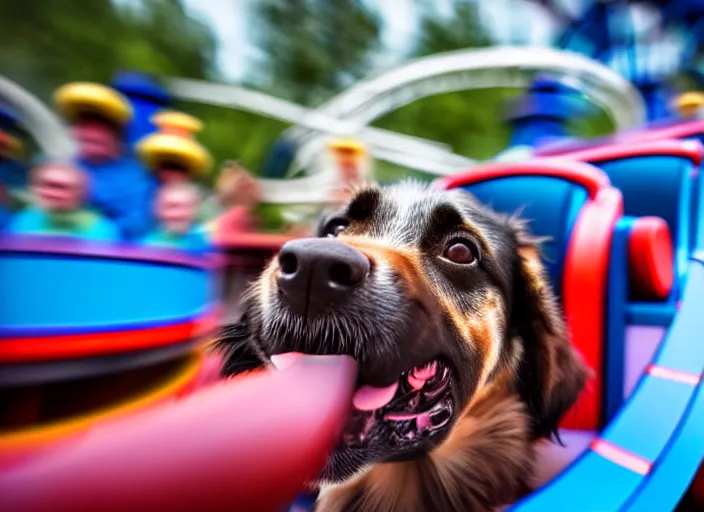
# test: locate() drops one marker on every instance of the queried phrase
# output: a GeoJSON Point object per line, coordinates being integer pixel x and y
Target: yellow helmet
{"type": "Point", "coordinates": [172, 121]}
{"type": "Point", "coordinates": [689, 103]}
{"type": "Point", "coordinates": [347, 144]}
{"type": "Point", "coordinates": [175, 142]}
{"type": "Point", "coordinates": [78, 98]}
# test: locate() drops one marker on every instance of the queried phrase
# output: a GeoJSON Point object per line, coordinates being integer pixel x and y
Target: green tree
{"type": "Point", "coordinates": [314, 48]}
{"type": "Point", "coordinates": [469, 121]}
{"type": "Point", "coordinates": [461, 29]}
{"type": "Point", "coordinates": [91, 40]}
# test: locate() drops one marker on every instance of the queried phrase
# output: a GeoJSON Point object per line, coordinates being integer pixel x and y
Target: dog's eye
{"type": "Point", "coordinates": [335, 227]}
{"type": "Point", "coordinates": [462, 252]}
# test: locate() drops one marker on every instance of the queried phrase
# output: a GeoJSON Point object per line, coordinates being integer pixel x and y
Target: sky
{"type": "Point", "coordinates": [228, 20]}
{"type": "Point", "coordinates": [236, 52]}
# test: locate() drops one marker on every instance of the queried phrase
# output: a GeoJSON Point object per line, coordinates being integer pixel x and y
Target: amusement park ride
{"type": "Point", "coordinates": [108, 388]}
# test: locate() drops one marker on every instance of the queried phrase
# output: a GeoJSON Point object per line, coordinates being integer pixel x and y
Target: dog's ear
{"type": "Point", "coordinates": [235, 346]}
{"type": "Point", "coordinates": [551, 373]}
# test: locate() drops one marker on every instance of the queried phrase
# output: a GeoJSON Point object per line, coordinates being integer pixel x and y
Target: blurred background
{"type": "Point", "coordinates": [302, 50]}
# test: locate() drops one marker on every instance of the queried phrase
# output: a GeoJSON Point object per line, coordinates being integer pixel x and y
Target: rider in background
{"type": "Point", "coordinates": [120, 187]}
{"type": "Point", "coordinates": [176, 210]}
{"type": "Point", "coordinates": [353, 163]}
{"type": "Point", "coordinates": [235, 202]}
{"type": "Point", "coordinates": [58, 192]}
{"type": "Point", "coordinates": [690, 105]}
{"type": "Point", "coordinates": [172, 153]}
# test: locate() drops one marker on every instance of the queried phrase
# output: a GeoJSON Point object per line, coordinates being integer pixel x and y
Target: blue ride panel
{"type": "Point", "coordinates": [592, 483]}
{"type": "Point", "coordinates": [550, 204]}
{"type": "Point", "coordinates": [673, 473]}
{"type": "Point", "coordinates": [615, 350]}
{"type": "Point", "coordinates": [657, 186]}
{"type": "Point", "coordinates": [678, 464]}
{"type": "Point", "coordinates": [630, 431]}
{"type": "Point", "coordinates": [102, 290]}
{"type": "Point", "coordinates": [687, 355]}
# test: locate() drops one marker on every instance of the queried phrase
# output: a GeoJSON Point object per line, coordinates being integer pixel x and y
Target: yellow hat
{"type": "Point", "coordinates": [348, 144]}
{"type": "Point", "coordinates": [82, 97]}
{"type": "Point", "coordinates": [160, 147]}
{"type": "Point", "coordinates": [689, 103]}
{"type": "Point", "coordinates": [172, 122]}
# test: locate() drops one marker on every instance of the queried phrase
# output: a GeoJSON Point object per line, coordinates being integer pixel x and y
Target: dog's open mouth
{"type": "Point", "coordinates": [412, 412]}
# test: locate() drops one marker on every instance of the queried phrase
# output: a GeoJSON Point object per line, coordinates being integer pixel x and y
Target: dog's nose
{"type": "Point", "coordinates": [316, 274]}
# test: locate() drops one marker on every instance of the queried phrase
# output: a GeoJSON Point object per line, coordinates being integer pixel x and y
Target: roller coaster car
{"type": "Point", "coordinates": [634, 430]}
{"type": "Point", "coordinates": [109, 399]}
{"type": "Point", "coordinates": [657, 178]}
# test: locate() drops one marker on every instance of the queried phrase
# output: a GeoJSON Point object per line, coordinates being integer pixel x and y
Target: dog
{"type": "Point", "coordinates": [464, 358]}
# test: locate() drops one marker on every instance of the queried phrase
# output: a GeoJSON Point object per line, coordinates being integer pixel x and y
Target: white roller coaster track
{"type": "Point", "coordinates": [48, 130]}
{"type": "Point", "coordinates": [350, 112]}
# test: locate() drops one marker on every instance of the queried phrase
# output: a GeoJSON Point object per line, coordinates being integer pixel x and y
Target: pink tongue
{"type": "Point", "coordinates": [368, 398]}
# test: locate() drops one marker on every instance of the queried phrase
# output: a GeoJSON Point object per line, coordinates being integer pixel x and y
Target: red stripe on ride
{"type": "Point", "coordinates": [52, 348]}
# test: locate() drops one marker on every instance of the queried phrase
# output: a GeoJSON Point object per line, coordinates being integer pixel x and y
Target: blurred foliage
{"type": "Point", "coordinates": [313, 48]}
{"type": "Point", "coordinates": [462, 29]}
{"type": "Point", "coordinates": [469, 121]}
{"type": "Point", "coordinates": [45, 43]}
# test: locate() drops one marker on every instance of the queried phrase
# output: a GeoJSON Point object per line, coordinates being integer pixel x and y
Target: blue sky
{"type": "Point", "coordinates": [228, 20]}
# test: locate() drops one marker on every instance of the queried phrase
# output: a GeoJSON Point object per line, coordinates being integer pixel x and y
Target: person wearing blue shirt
{"type": "Point", "coordinates": [176, 209]}
{"type": "Point", "coordinates": [121, 188]}
{"type": "Point", "coordinates": [58, 192]}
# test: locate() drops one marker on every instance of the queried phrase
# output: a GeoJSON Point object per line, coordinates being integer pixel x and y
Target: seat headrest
{"type": "Point", "coordinates": [650, 259]}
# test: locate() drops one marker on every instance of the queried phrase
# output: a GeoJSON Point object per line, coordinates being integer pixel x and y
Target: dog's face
{"type": "Point", "coordinates": [434, 295]}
